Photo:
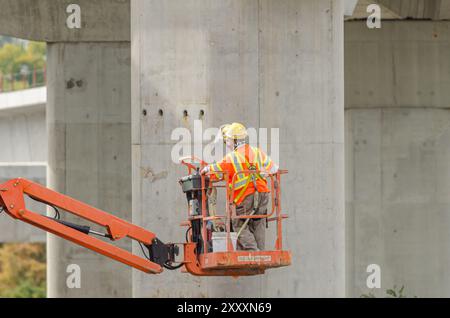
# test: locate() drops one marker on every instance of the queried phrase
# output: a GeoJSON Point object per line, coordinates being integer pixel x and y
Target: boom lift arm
{"type": "Point", "coordinates": [199, 258]}
{"type": "Point", "coordinates": [13, 202]}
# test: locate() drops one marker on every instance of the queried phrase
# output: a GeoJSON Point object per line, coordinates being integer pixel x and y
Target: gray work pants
{"type": "Point", "coordinates": [252, 238]}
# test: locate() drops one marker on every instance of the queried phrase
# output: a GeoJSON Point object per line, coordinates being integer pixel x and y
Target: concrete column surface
{"type": "Point", "coordinates": [270, 64]}
{"type": "Point", "coordinates": [88, 121]}
{"type": "Point", "coordinates": [398, 156]}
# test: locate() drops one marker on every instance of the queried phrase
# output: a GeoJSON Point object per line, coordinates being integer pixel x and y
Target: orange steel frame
{"type": "Point", "coordinates": [12, 199]}
{"type": "Point", "coordinates": [230, 263]}
{"type": "Point", "coordinates": [239, 263]}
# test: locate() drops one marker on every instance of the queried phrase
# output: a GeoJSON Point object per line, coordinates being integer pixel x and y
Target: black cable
{"type": "Point", "coordinates": [57, 214]}
{"type": "Point", "coordinates": [58, 217]}
{"type": "Point", "coordinates": [187, 232]}
{"type": "Point", "coordinates": [170, 267]}
{"type": "Point", "coordinates": [143, 251]}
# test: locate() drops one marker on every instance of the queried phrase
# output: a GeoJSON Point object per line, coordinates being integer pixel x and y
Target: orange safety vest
{"type": "Point", "coordinates": [243, 158]}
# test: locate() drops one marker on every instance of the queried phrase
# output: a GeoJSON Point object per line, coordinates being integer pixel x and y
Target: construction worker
{"type": "Point", "coordinates": [251, 193]}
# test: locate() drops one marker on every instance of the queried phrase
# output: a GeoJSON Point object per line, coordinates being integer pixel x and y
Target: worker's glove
{"type": "Point", "coordinates": [205, 170]}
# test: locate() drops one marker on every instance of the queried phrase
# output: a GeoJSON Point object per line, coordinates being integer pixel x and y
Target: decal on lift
{"type": "Point", "coordinates": [254, 258]}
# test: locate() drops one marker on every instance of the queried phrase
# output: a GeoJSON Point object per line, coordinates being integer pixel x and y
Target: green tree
{"type": "Point", "coordinates": [32, 57]}
{"type": "Point", "coordinates": [22, 270]}
{"type": "Point", "coordinates": [390, 293]}
{"type": "Point", "coordinates": [9, 54]}
{"type": "Point", "coordinates": [25, 62]}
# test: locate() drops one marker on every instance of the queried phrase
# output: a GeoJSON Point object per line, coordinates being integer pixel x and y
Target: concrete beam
{"type": "Point", "coordinates": [419, 9]}
{"type": "Point", "coordinates": [349, 7]}
{"type": "Point", "coordinates": [400, 65]}
{"type": "Point", "coordinates": [24, 138]}
{"type": "Point", "coordinates": [23, 101]}
{"type": "Point", "coordinates": [45, 20]}
{"type": "Point", "coordinates": [444, 10]}
{"type": "Point", "coordinates": [405, 9]}
{"type": "Point", "coordinates": [360, 11]}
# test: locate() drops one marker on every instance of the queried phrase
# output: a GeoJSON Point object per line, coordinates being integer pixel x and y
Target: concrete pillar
{"type": "Point", "coordinates": [88, 119]}
{"type": "Point", "coordinates": [398, 156]}
{"type": "Point", "coordinates": [264, 63]}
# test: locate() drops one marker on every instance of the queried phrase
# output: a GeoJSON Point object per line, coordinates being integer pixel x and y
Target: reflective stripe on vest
{"type": "Point", "coordinates": [267, 162]}
{"type": "Point", "coordinates": [251, 177]}
{"type": "Point", "coordinates": [241, 178]}
{"type": "Point", "coordinates": [257, 155]}
{"type": "Point", "coordinates": [215, 167]}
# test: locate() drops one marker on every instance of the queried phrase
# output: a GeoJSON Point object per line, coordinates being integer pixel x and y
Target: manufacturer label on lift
{"type": "Point", "coordinates": [254, 258]}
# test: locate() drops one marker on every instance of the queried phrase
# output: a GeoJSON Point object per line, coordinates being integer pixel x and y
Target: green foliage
{"type": "Point", "coordinates": [22, 270]}
{"type": "Point", "coordinates": [11, 56]}
{"type": "Point", "coordinates": [15, 56]}
{"type": "Point", "coordinates": [26, 289]}
{"type": "Point", "coordinates": [390, 293]}
{"type": "Point", "coordinates": [396, 293]}
{"type": "Point", "coordinates": [32, 57]}
{"type": "Point", "coordinates": [22, 65]}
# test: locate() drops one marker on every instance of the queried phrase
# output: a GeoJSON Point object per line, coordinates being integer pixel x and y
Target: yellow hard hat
{"type": "Point", "coordinates": [234, 131]}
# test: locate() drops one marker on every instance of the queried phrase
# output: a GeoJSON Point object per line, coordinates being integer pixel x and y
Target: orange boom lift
{"type": "Point", "coordinates": [198, 256]}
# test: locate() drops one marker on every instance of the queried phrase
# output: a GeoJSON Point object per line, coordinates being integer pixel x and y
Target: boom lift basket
{"type": "Point", "coordinates": [230, 262]}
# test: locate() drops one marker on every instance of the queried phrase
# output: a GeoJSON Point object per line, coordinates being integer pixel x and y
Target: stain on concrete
{"type": "Point", "coordinates": [148, 173]}
{"type": "Point", "coordinates": [70, 83]}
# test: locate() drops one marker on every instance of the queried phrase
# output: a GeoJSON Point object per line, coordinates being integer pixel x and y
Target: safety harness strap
{"type": "Point", "coordinates": [250, 178]}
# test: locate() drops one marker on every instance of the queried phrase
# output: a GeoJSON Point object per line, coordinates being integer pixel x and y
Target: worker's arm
{"type": "Point", "coordinates": [267, 164]}
{"type": "Point", "coordinates": [12, 201]}
{"type": "Point", "coordinates": [218, 168]}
